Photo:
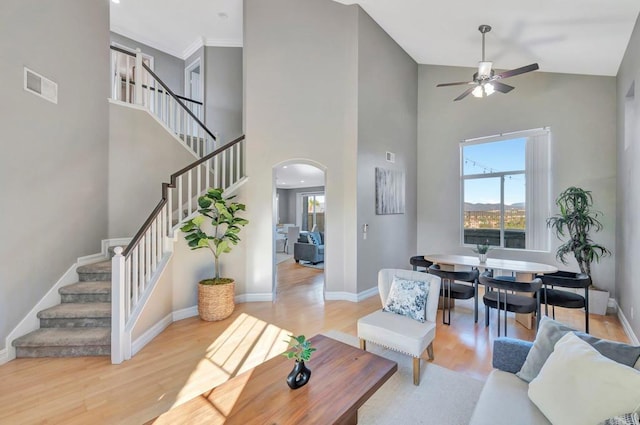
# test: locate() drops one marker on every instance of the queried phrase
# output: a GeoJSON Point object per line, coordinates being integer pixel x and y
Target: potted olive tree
{"type": "Point", "coordinates": [576, 220]}
{"type": "Point", "coordinates": [216, 228]}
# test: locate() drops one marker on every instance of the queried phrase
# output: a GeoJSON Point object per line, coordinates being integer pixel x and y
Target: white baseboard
{"type": "Point", "coordinates": [151, 333]}
{"type": "Point", "coordinates": [4, 356]}
{"type": "Point", "coordinates": [349, 296]}
{"type": "Point", "coordinates": [372, 292]}
{"type": "Point", "coordinates": [184, 313]}
{"type": "Point", "coordinates": [249, 298]}
{"type": "Point", "coordinates": [626, 326]}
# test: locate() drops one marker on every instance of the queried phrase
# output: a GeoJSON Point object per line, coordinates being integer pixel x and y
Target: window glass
{"type": "Point", "coordinates": [495, 173]}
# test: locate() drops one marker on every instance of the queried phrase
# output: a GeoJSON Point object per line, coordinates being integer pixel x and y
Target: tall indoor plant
{"type": "Point", "coordinates": [577, 217]}
{"type": "Point", "coordinates": [216, 228]}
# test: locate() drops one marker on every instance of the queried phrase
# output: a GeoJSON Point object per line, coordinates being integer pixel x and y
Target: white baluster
{"type": "Point", "coordinates": [199, 189]}
{"type": "Point", "coordinates": [179, 184]}
{"type": "Point", "coordinates": [127, 94]}
{"type": "Point", "coordinates": [153, 236]}
{"type": "Point", "coordinates": [147, 260]}
{"type": "Point", "coordinates": [216, 170]}
{"type": "Point", "coordinates": [135, 273]}
{"type": "Point", "coordinates": [138, 77]}
{"type": "Point", "coordinates": [207, 175]}
{"type": "Point", "coordinates": [189, 192]}
{"type": "Point", "coordinates": [238, 162]}
{"type": "Point", "coordinates": [224, 169]}
{"type": "Point", "coordinates": [170, 213]}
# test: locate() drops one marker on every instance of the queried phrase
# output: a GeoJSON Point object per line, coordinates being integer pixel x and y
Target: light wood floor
{"type": "Point", "coordinates": [191, 356]}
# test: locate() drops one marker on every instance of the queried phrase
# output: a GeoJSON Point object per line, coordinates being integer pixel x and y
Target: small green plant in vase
{"type": "Point", "coordinates": [481, 250]}
{"type": "Point", "coordinates": [301, 350]}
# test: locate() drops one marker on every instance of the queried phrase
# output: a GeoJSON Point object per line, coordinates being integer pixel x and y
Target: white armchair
{"type": "Point", "coordinates": [401, 333]}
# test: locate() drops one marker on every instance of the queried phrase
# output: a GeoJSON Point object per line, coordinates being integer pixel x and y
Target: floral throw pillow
{"type": "Point", "coordinates": [408, 298]}
{"type": "Point", "coordinates": [627, 419]}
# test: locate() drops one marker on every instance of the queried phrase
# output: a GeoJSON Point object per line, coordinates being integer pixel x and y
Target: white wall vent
{"type": "Point", "coordinates": [391, 157]}
{"type": "Point", "coordinates": [40, 86]}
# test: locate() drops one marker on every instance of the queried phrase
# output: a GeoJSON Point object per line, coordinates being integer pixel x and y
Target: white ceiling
{"type": "Point", "coordinates": [568, 36]}
{"type": "Point", "coordinates": [293, 176]}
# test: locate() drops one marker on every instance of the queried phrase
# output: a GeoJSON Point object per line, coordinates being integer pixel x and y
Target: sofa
{"type": "Point", "coordinates": [309, 247]}
{"type": "Point", "coordinates": [506, 399]}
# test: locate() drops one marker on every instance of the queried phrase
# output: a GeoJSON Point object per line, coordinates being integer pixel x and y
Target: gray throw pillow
{"type": "Point", "coordinates": [551, 331]}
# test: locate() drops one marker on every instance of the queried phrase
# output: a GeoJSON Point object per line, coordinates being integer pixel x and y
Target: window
{"type": "Point", "coordinates": [505, 190]}
{"type": "Point", "coordinates": [313, 212]}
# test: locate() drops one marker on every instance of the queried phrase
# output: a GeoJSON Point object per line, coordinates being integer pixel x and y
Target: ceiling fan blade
{"type": "Point", "coordinates": [466, 93]}
{"type": "Point", "coordinates": [455, 84]}
{"type": "Point", "coordinates": [501, 87]}
{"type": "Point", "coordinates": [517, 71]}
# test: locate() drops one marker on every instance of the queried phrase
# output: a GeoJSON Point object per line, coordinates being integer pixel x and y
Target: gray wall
{"type": "Point", "coordinates": [223, 91]}
{"type": "Point", "coordinates": [300, 105]}
{"type": "Point", "coordinates": [142, 155]}
{"type": "Point", "coordinates": [169, 68]}
{"type": "Point", "coordinates": [628, 231]}
{"type": "Point", "coordinates": [53, 170]}
{"type": "Point", "coordinates": [387, 121]}
{"type": "Point", "coordinates": [288, 199]}
{"type": "Point", "coordinates": [581, 111]}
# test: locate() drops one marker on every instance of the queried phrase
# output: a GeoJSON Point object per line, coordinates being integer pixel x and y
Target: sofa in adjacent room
{"type": "Point", "coordinates": [310, 247]}
{"type": "Point", "coordinates": [564, 377]}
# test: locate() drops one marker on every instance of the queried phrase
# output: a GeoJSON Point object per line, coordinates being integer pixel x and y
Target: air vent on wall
{"type": "Point", "coordinates": [391, 157]}
{"type": "Point", "coordinates": [40, 86]}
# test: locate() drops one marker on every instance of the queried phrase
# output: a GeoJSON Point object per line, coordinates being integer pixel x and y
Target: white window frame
{"type": "Point", "coordinates": [537, 177]}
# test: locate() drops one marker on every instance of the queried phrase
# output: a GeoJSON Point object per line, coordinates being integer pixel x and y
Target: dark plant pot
{"type": "Point", "coordinates": [299, 376]}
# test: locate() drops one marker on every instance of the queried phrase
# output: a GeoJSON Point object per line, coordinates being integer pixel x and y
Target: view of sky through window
{"type": "Point", "coordinates": [486, 158]}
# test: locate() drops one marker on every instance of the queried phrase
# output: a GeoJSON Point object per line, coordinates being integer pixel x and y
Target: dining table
{"type": "Point", "coordinates": [523, 271]}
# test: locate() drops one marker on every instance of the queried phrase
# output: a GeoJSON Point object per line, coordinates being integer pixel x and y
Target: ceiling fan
{"type": "Point", "coordinates": [485, 81]}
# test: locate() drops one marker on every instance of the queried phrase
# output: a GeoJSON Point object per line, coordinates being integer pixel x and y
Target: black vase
{"type": "Point", "coordinates": [299, 375]}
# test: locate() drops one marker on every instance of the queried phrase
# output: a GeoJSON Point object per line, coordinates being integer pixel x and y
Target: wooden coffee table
{"type": "Point", "coordinates": [342, 379]}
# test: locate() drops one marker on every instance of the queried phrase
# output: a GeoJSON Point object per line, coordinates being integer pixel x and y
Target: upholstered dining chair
{"type": "Point", "coordinates": [558, 297]}
{"type": "Point", "coordinates": [499, 294]}
{"type": "Point", "coordinates": [401, 333]}
{"type": "Point", "coordinates": [419, 261]}
{"type": "Point", "coordinates": [460, 291]}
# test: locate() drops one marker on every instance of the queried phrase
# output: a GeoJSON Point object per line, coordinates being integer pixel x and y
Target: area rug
{"type": "Point", "coordinates": [282, 256]}
{"type": "Point", "coordinates": [444, 397]}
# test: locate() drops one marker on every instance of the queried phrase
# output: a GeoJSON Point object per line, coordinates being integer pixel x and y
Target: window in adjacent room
{"type": "Point", "coordinates": [505, 190]}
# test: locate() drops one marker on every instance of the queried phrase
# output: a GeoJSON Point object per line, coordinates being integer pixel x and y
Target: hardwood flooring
{"type": "Point", "coordinates": [191, 356]}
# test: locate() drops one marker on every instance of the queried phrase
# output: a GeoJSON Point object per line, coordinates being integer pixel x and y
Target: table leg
{"type": "Point", "coordinates": [526, 320]}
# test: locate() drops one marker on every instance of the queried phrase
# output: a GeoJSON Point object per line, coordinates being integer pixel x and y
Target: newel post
{"type": "Point", "coordinates": [138, 77]}
{"type": "Point", "coordinates": [117, 306]}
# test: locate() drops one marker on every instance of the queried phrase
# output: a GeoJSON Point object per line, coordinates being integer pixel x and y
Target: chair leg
{"type": "Point", "coordinates": [475, 302]}
{"type": "Point", "coordinates": [430, 351]}
{"type": "Point", "coordinates": [486, 315]}
{"type": "Point", "coordinates": [586, 310]}
{"type": "Point", "coordinates": [416, 371]}
{"type": "Point", "coordinates": [363, 344]}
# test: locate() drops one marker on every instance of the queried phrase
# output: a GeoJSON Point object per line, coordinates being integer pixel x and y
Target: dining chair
{"type": "Point", "coordinates": [293, 233]}
{"type": "Point", "coordinates": [419, 261]}
{"type": "Point", "coordinates": [502, 294]}
{"type": "Point", "coordinates": [562, 298]}
{"type": "Point", "coordinates": [460, 291]}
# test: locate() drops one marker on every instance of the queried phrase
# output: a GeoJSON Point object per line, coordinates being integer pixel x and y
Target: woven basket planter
{"type": "Point", "coordinates": [216, 302]}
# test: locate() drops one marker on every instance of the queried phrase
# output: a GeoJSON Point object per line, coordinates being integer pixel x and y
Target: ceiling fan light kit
{"type": "Point", "coordinates": [485, 81]}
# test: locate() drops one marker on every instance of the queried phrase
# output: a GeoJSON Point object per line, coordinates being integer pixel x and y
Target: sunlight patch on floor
{"type": "Point", "coordinates": [244, 344]}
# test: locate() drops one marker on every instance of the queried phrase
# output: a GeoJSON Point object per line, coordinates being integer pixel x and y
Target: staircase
{"type": "Point", "coordinates": [80, 325]}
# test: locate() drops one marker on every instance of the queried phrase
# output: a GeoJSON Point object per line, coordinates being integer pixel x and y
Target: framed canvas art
{"type": "Point", "coordinates": [389, 191]}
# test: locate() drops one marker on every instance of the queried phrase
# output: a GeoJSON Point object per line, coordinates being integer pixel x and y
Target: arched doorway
{"type": "Point", "coordinates": [299, 224]}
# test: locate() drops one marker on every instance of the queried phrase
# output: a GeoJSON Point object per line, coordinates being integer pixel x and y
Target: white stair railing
{"type": "Point", "coordinates": [132, 81]}
{"type": "Point", "coordinates": [136, 269]}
